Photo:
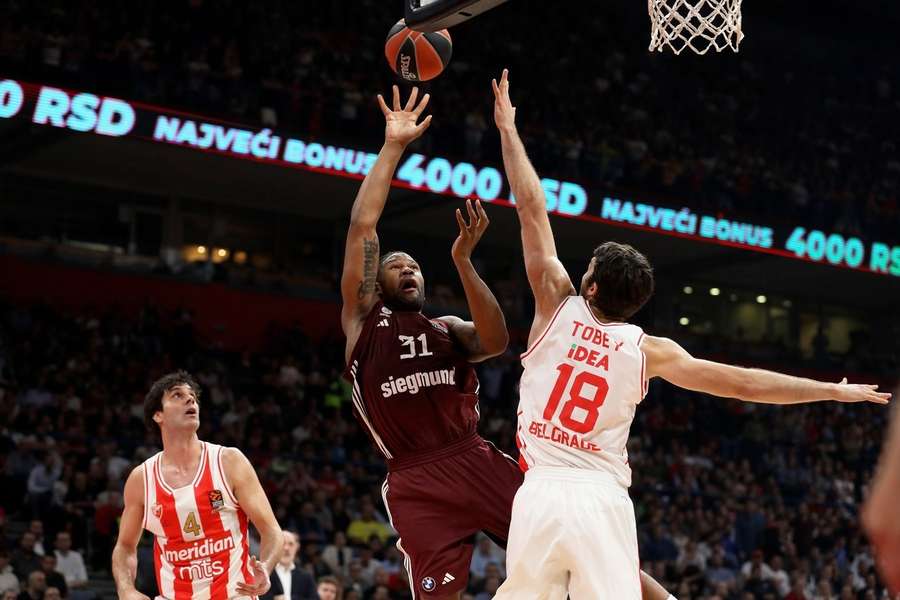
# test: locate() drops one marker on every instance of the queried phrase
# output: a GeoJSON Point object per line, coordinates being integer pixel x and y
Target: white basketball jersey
{"type": "Point", "coordinates": [582, 381]}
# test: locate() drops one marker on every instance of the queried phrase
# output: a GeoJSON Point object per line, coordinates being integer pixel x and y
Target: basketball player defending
{"type": "Point", "coordinates": [414, 387]}
{"type": "Point", "coordinates": [196, 498]}
{"type": "Point", "coordinates": [573, 526]}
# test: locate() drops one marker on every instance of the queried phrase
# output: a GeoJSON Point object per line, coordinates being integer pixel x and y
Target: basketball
{"type": "Point", "coordinates": [417, 56]}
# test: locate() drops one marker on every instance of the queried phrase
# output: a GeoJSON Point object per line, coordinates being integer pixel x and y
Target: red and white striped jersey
{"type": "Point", "coordinates": [581, 384]}
{"type": "Point", "coordinates": [201, 551]}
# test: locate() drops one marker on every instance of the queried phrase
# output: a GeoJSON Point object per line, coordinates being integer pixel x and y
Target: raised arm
{"type": "Point", "coordinates": [546, 274]}
{"type": "Point", "coordinates": [486, 335]}
{"type": "Point", "coordinates": [249, 493]}
{"type": "Point", "coordinates": [666, 359]}
{"type": "Point", "coordinates": [880, 511]}
{"type": "Point", "coordinates": [124, 555]}
{"type": "Point", "coordinates": [361, 253]}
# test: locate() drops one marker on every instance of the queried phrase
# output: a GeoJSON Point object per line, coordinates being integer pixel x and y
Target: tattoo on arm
{"type": "Point", "coordinates": [370, 268]}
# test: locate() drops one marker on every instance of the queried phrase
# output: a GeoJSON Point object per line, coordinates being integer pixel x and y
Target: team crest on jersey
{"type": "Point", "coordinates": [428, 584]}
{"type": "Point", "coordinates": [157, 510]}
{"type": "Point", "coordinates": [386, 311]}
{"type": "Point", "coordinates": [440, 326]}
{"type": "Point", "coordinates": [216, 501]}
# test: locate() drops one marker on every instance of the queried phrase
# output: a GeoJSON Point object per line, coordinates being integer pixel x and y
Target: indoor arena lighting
{"type": "Point", "coordinates": [201, 249]}
{"type": "Point", "coordinates": [684, 321]}
{"type": "Point", "coordinates": [84, 112]}
{"type": "Point", "coordinates": [688, 290]}
{"type": "Point", "coordinates": [714, 291]}
{"type": "Point", "coordinates": [761, 299]}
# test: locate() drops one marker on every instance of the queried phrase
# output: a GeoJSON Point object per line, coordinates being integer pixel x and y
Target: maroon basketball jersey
{"type": "Point", "coordinates": [414, 389]}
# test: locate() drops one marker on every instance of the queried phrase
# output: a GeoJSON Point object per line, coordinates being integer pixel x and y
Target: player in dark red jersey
{"type": "Point", "coordinates": [414, 388]}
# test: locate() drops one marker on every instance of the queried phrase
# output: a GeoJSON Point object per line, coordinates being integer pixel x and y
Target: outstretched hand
{"type": "Point", "coordinates": [504, 111]}
{"type": "Point", "coordinates": [469, 233]}
{"type": "Point", "coordinates": [400, 123]}
{"type": "Point", "coordinates": [259, 583]}
{"type": "Point", "coordinates": [860, 392]}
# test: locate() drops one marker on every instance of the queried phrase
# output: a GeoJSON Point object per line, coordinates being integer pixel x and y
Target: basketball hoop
{"type": "Point", "coordinates": [695, 24]}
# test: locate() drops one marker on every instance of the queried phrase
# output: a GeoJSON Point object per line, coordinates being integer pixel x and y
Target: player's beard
{"type": "Point", "coordinates": [398, 303]}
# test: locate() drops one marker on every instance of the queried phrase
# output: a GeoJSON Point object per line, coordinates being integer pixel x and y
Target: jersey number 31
{"type": "Point", "coordinates": [591, 406]}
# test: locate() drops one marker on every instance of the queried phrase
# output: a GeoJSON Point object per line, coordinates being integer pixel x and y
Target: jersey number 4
{"type": "Point", "coordinates": [191, 525]}
{"type": "Point", "coordinates": [590, 405]}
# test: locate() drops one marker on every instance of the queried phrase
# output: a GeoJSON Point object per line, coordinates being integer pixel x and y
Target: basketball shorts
{"type": "Point", "coordinates": [573, 532]}
{"type": "Point", "coordinates": [438, 506]}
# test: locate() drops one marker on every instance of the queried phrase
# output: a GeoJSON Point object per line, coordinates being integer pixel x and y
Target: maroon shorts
{"type": "Point", "coordinates": [438, 506]}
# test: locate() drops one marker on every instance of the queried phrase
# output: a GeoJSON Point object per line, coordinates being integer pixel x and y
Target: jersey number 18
{"type": "Point", "coordinates": [591, 405]}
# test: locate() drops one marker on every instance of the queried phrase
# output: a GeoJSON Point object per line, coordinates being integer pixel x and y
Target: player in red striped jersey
{"type": "Point", "coordinates": [197, 499]}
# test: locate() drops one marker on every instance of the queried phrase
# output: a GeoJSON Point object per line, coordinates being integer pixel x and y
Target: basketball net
{"type": "Point", "coordinates": [695, 24]}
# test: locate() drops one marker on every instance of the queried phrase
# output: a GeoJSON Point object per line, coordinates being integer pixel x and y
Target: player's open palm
{"type": "Point", "coordinates": [469, 233]}
{"type": "Point", "coordinates": [401, 122]}
{"type": "Point", "coordinates": [259, 584]}
{"type": "Point", "coordinates": [860, 392]}
{"type": "Point", "coordinates": [133, 594]}
{"type": "Point", "coordinates": [504, 111]}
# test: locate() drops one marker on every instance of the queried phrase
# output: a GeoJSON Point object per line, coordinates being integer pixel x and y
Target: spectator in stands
{"type": "Point", "coordinates": [491, 585]}
{"type": "Point", "coordinates": [8, 579]}
{"type": "Point", "coordinates": [36, 527]}
{"type": "Point", "coordinates": [41, 480]}
{"type": "Point", "coordinates": [35, 588]}
{"type": "Point", "coordinates": [291, 581]}
{"type": "Point", "coordinates": [779, 577]}
{"type": "Point", "coordinates": [53, 593]}
{"type": "Point", "coordinates": [659, 546]}
{"type": "Point", "coordinates": [24, 560]}
{"type": "Point", "coordinates": [52, 576]}
{"type": "Point", "coordinates": [71, 564]}
{"type": "Point", "coordinates": [366, 525]}
{"type": "Point", "coordinates": [338, 554]}
{"type": "Point", "coordinates": [329, 588]}
{"type": "Point", "coordinates": [486, 552]}
{"type": "Point", "coordinates": [9, 595]}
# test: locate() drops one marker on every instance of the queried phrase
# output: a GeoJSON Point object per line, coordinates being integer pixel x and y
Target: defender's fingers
{"type": "Point", "coordinates": [463, 228]}
{"type": "Point", "coordinates": [481, 213]}
{"type": "Point", "coordinates": [473, 218]}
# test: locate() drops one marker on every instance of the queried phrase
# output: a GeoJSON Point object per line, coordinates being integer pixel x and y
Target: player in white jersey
{"type": "Point", "coordinates": [586, 370]}
{"type": "Point", "coordinates": [196, 499]}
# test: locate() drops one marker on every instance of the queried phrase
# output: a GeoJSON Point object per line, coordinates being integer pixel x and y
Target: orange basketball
{"type": "Point", "coordinates": [417, 56]}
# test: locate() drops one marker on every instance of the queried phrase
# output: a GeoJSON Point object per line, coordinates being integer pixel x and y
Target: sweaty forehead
{"type": "Point", "coordinates": [395, 256]}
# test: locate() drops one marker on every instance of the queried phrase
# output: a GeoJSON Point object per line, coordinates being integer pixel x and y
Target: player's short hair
{"type": "Point", "coordinates": [624, 278]}
{"type": "Point", "coordinates": [153, 399]}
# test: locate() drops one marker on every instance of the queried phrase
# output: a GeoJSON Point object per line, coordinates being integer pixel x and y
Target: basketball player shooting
{"type": "Point", "coordinates": [415, 391]}
{"type": "Point", "coordinates": [585, 371]}
{"type": "Point", "coordinates": [196, 499]}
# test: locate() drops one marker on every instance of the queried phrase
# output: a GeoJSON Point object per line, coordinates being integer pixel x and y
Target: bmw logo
{"type": "Point", "coordinates": [428, 584]}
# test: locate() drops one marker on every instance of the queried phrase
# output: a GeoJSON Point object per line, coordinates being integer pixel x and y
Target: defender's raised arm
{"type": "Point", "coordinates": [667, 359]}
{"type": "Point", "coordinates": [361, 254]}
{"type": "Point", "coordinates": [546, 274]}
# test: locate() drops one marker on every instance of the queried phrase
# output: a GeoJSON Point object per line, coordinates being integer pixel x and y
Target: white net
{"type": "Point", "coordinates": [695, 24]}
